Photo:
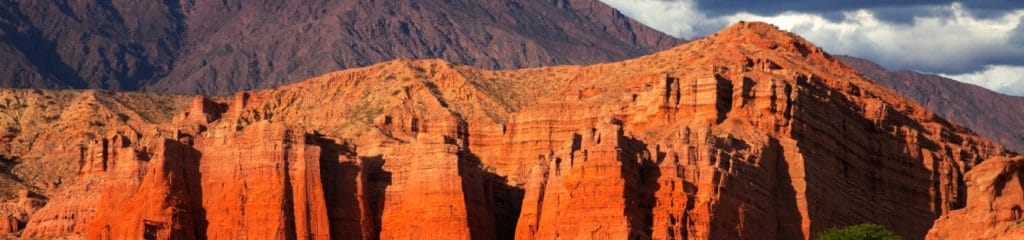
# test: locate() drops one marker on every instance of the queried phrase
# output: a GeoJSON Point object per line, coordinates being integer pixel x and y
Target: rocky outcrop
{"type": "Point", "coordinates": [66, 212]}
{"type": "Point", "coordinates": [588, 178]}
{"type": "Point", "coordinates": [426, 185]}
{"type": "Point", "coordinates": [749, 133]}
{"type": "Point", "coordinates": [18, 212]}
{"type": "Point", "coordinates": [147, 195]}
{"type": "Point", "coordinates": [64, 141]}
{"type": "Point", "coordinates": [268, 186]}
{"type": "Point", "coordinates": [262, 181]}
{"type": "Point", "coordinates": [995, 193]}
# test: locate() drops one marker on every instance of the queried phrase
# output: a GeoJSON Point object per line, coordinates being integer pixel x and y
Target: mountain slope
{"type": "Point", "coordinates": [749, 133]}
{"type": "Point", "coordinates": [997, 116]}
{"type": "Point", "coordinates": [218, 47]}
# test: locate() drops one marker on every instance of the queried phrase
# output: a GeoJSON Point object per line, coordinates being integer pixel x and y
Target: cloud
{"type": "Point", "coordinates": [889, 10]}
{"type": "Point", "coordinates": [1017, 36]}
{"type": "Point", "coordinates": [999, 78]}
{"type": "Point", "coordinates": [718, 7]}
{"type": "Point", "coordinates": [955, 44]}
{"type": "Point", "coordinates": [951, 39]}
{"type": "Point", "coordinates": [679, 18]}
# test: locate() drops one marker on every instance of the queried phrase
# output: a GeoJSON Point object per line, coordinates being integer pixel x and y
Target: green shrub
{"type": "Point", "coordinates": [867, 231]}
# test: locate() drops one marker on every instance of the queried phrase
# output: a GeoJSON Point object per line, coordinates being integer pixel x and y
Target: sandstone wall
{"type": "Point", "coordinates": [751, 133]}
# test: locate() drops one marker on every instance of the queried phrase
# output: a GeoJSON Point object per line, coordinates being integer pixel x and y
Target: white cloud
{"type": "Point", "coordinates": [680, 18]}
{"type": "Point", "coordinates": [956, 43]}
{"type": "Point", "coordinates": [999, 78]}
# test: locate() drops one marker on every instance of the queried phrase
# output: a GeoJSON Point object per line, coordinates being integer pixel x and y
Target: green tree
{"type": "Point", "coordinates": [867, 231]}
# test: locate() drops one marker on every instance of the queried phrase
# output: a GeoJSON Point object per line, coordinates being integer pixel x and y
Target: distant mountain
{"type": "Point", "coordinates": [994, 115]}
{"type": "Point", "coordinates": [217, 47]}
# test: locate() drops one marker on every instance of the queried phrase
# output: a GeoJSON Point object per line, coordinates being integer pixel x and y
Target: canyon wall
{"type": "Point", "coordinates": [749, 133]}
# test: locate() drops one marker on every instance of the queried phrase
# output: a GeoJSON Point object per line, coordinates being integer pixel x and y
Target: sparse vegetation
{"type": "Point", "coordinates": [366, 109]}
{"type": "Point", "coordinates": [97, 123]}
{"type": "Point", "coordinates": [51, 119]}
{"type": "Point", "coordinates": [123, 117]}
{"type": "Point", "coordinates": [867, 231]}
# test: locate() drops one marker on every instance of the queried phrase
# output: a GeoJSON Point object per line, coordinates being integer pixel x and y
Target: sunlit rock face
{"type": "Point", "coordinates": [749, 133]}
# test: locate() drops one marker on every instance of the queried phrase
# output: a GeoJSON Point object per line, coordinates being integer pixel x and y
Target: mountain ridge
{"type": "Point", "coordinates": [992, 114]}
{"type": "Point", "coordinates": [223, 47]}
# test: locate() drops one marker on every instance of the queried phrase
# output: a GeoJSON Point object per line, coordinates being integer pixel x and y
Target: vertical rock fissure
{"type": "Point", "coordinates": [341, 179]}
{"type": "Point", "coordinates": [376, 181]}
{"type": "Point", "coordinates": [641, 173]}
{"type": "Point", "coordinates": [193, 185]}
{"type": "Point", "coordinates": [723, 92]}
{"type": "Point", "coordinates": [288, 203]}
{"type": "Point", "coordinates": [479, 214]}
{"type": "Point", "coordinates": [787, 208]}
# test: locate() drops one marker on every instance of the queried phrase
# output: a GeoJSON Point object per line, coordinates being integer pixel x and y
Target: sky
{"type": "Point", "coordinates": [979, 42]}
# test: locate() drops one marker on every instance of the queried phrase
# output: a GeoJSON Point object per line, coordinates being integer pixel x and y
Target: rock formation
{"type": "Point", "coordinates": [750, 133]}
{"type": "Point", "coordinates": [148, 190]}
{"type": "Point", "coordinates": [262, 181]}
{"type": "Point", "coordinates": [995, 193]}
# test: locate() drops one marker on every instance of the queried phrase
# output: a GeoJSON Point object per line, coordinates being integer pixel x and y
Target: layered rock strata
{"type": "Point", "coordinates": [749, 133]}
{"type": "Point", "coordinates": [995, 193]}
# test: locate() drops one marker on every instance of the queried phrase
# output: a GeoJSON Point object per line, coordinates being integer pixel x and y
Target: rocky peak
{"type": "Point", "coordinates": [751, 41]}
{"type": "Point", "coordinates": [763, 35]}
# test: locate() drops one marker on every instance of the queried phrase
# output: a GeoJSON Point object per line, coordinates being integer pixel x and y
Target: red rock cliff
{"type": "Point", "coordinates": [750, 133]}
{"type": "Point", "coordinates": [995, 193]}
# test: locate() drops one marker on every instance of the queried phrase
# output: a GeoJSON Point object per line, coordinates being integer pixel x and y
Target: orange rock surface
{"type": "Point", "coordinates": [995, 193]}
{"type": "Point", "coordinates": [262, 182]}
{"type": "Point", "coordinates": [749, 133]}
{"type": "Point", "coordinates": [148, 191]}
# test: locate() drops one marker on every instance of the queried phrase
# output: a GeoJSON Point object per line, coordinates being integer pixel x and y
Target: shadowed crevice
{"type": "Point", "coordinates": [376, 181]}
{"type": "Point", "coordinates": [640, 172]}
{"type": "Point", "coordinates": [342, 177]}
{"type": "Point", "coordinates": [492, 205]}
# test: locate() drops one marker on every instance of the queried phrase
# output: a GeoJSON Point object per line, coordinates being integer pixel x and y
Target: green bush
{"type": "Point", "coordinates": [867, 231]}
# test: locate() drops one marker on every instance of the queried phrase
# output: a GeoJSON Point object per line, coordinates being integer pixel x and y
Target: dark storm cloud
{"type": "Point", "coordinates": [897, 10]}
{"type": "Point", "coordinates": [720, 7]}
{"type": "Point", "coordinates": [1017, 36]}
{"type": "Point", "coordinates": [906, 14]}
